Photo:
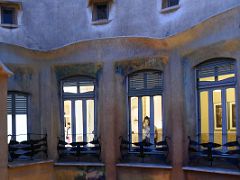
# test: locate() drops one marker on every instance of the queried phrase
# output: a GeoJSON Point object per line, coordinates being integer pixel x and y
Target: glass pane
{"type": "Point", "coordinates": [7, 16]}
{"type": "Point", "coordinates": [217, 106]}
{"type": "Point", "coordinates": [68, 121]}
{"type": "Point", "coordinates": [222, 77]}
{"type": "Point", "coordinates": [210, 79]}
{"type": "Point", "coordinates": [157, 118]}
{"type": "Point", "coordinates": [90, 120]}
{"type": "Point", "coordinates": [21, 127]}
{"type": "Point", "coordinates": [146, 118]}
{"type": "Point", "coordinates": [231, 109]}
{"type": "Point", "coordinates": [70, 87]}
{"type": "Point", "coordinates": [79, 120]}
{"type": "Point", "coordinates": [9, 120]}
{"type": "Point", "coordinates": [84, 89]}
{"type": "Point", "coordinates": [134, 119]}
{"type": "Point", "coordinates": [204, 114]}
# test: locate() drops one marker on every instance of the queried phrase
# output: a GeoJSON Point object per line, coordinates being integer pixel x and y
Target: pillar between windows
{"type": "Point", "coordinates": [4, 74]}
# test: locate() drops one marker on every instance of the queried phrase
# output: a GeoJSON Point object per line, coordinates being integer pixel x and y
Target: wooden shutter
{"type": "Point", "coordinates": [145, 83]}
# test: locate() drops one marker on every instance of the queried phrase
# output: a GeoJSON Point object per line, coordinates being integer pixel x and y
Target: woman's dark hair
{"type": "Point", "coordinates": [147, 118]}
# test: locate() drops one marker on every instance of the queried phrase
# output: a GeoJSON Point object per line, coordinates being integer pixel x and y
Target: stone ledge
{"type": "Point", "coordinates": [170, 9]}
{"type": "Point", "coordinates": [9, 26]}
{"type": "Point", "coordinates": [28, 163]}
{"type": "Point", "coordinates": [79, 164]}
{"type": "Point", "coordinates": [212, 170]}
{"type": "Point", "coordinates": [144, 165]}
{"type": "Point", "coordinates": [101, 22]}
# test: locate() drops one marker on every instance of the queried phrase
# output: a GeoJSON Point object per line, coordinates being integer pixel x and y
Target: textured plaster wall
{"type": "Point", "coordinates": [110, 61]}
{"type": "Point", "coordinates": [51, 24]}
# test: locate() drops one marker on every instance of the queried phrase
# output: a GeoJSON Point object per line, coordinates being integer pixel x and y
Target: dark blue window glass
{"type": "Point", "coordinates": [8, 16]}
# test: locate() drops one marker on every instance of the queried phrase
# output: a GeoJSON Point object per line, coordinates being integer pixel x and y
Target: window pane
{"type": "Point", "coordinates": [68, 121]}
{"type": "Point", "coordinates": [70, 87]}
{"type": "Point", "coordinates": [79, 120]}
{"type": "Point", "coordinates": [84, 89]}
{"type": "Point", "coordinates": [209, 79]}
{"type": "Point", "coordinates": [226, 76]}
{"type": "Point", "coordinates": [204, 114]}
{"type": "Point", "coordinates": [7, 16]}
{"type": "Point", "coordinates": [157, 118]}
{"type": "Point", "coordinates": [134, 119]}
{"type": "Point", "coordinates": [21, 127]}
{"type": "Point", "coordinates": [102, 11]}
{"type": "Point", "coordinates": [90, 120]}
{"type": "Point", "coordinates": [145, 117]}
{"type": "Point", "coordinates": [231, 108]}
{"type": "Point", "coordinates": [217, 105]}
{"type": "Point", "coordinates": [9, 120]}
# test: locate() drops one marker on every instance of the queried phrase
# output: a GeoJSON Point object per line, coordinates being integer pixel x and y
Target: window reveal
{"type": "Point", "coordinates": [79, 110]}
{"type": "Point", "coordinates": [145, 103]}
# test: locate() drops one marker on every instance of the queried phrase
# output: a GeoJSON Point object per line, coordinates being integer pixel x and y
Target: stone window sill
{"type": "Point", "coordinates": [170, 9]}
{"type": "Point", "coordinates": [101, 22]}
{"type": "Point", "coordinates": [10, 26]}
{"type": "Point", "coordinates": [94, 164]}
{"type": "Point", "coordinates": [28, 163]}
{"type": "Point", "coordinates": [212, 170]}
{"type": "Point", "coordinates": [144, 165]}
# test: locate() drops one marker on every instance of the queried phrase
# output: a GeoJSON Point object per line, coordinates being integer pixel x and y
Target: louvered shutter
{"type": "Point", "coordinates": [215, 68]}
{"type": "Point", "coordinates": [21, 104]}
{"type": "Point", "coordinates": [145, 83]}
{"type": "Point", "coordinates": [9, 104]}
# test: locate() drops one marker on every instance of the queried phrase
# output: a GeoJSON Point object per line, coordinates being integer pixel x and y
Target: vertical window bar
{"type": "Point", "coordinates": [152, 130]}
{"type": "Point", "coordinates": [224, 119]}
{"type": "Point", "coordinates": [84, 121]}
{"type": "Point", "coordinates": [129, 121]}
{"type": "Point", "coordinates": [211, 116]}
{"type": "Point", "coordinates": [73, 121]}
{"type": "Point", "coordinates": [140, 119]}
{"type": "Point", "coordinates": [13, 116]}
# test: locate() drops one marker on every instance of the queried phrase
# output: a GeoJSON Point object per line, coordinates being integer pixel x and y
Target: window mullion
{"type": "Point", "coordinates": [14, 116]}
{"type": "Point", "coordinates": [151, 120]}
{"type": "Point", "coordinates": [140, 119]}
{"type": "Point", "coordinates": [224, 118]}
{"type": "Point", "coordinates": [73, 111]}
{"type": "Point", "coordinates": [211, 116]}
{"type": "Point", "coordinates": [84, 120]}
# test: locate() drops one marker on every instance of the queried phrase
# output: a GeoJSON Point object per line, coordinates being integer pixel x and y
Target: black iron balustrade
{"type": "Point", "coordinates": [210, 151]}
{"type": "Point", "coordinates": [144, 148]}
{"type": "Point", "coordinates": [77, 149]}
{"type": "Point", "coordinates": [27, 149]}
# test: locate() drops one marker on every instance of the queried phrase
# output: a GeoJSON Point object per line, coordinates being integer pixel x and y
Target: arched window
{"type": "Point", "coordinates": [217, 117]}
{"type": "Point", "coordinates": [145, 90]}
{"type": "Point", "coordinates": [78, 95]}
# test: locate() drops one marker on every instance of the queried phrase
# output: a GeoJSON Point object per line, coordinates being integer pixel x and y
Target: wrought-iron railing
{"type": "Point", "coordinates": [144, 148]}
{"type": "Point", "coordinates": [211, 151]}
{"type": "Point", "coordinates": [78, 148]}
{"type": "Point", "coordinates": [28, 149]}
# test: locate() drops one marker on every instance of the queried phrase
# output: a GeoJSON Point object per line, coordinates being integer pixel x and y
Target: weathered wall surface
{"type": "Point", "coordinates": [29, 172]}
{"type": "Point", "coordinates": [110, 60]}
{"type": "Point", "coordinates": [51, 24]}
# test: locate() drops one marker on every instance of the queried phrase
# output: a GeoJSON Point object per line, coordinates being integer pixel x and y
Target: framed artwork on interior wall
{"type": "Point", "coordinates": [218, 116]}
{"type": "Point", "coordinates": [232, 116]}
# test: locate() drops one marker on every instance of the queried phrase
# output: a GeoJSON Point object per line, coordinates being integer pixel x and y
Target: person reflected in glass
{"type": "Point", "coordinates": [146, 131]}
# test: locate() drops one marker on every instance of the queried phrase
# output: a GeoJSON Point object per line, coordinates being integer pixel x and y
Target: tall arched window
{"type": "Point", "coordinates": [217, 117]}
{"type": "Point", "coordinates": [78, 96]}
{"type": "Point", "coordinates": [145, 90]}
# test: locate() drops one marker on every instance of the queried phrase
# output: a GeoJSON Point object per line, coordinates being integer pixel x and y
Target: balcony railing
{"type": "Point", "coordinates": [34, 147]}
{"type": "Point", "coordinates": [143, 149]}
{"type": "Point", "coordinates": [78, 149]}
{"type": "Point", "coordinates": [211, 151]}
